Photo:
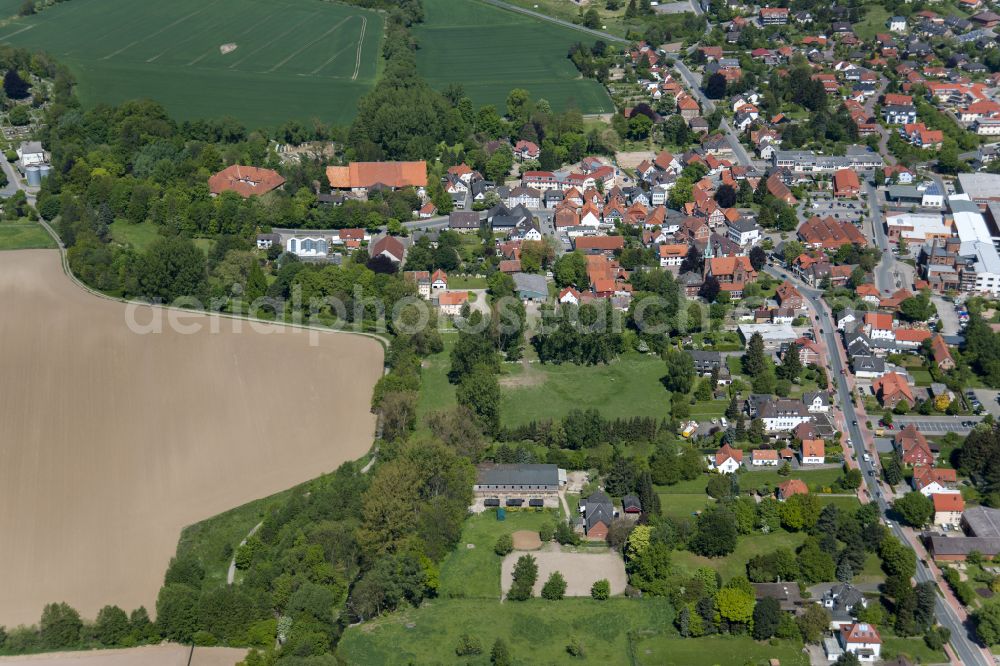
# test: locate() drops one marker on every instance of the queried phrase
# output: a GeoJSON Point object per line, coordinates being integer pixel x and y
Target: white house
{"type": "Point", "coordinates": [782, 415]}
{"type": "Point", "coordinates": [879, 326]}
{"type": "Point", "coordinates": [764, 458]}
{"type": "Point", "coordinates": [897, 24]}
{"type": "Point", "coordinates": [743, 232]}
{"type": "Point", "coordinates": [816, 402]}
{"type": "Point", "coordinates": [726, 460]}
{"type": "Point", "coordinates": [863, 640]}
{"type": "Point", "coordinates": [948, 508]}
{"type": "Point", "coordinates": [30, 153]}
{"type": "Point", "coordinates": [845, 318]}
{"type": "Point", "coordinates": [439, 281]}
{"type": "Point", "coordinates": [813, 452]}
{"type": "Point", "coordinates": [308, 247]}
{"type": "Point", "coordinates": [569, 295]}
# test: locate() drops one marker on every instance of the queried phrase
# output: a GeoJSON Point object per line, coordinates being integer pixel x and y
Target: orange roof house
{"type": "Point", "coordinates": [365, 175]}
{"type": "Point", "coordinates": [788, 296]}
{"type": "Point", "coordinates": [792, 487]}
{"type": "Point", "coordinates": [941, 353]}
{"type": "Point", "coordinates": [846, 183]}
{"type": "Point", "coordinates": [925, 475]}
{"type": "Point", "coordinates": [913, 447]}
{"type": "Point", "coordinates": [948, 508]}
{"type": "Point", "coordinates": [829, 233]}
{"type": "Point", "coordinates": [733, 273]}
{"type": "Point", "coordinates": [727, 452]}
{"type": "Point", "coordinates": [892, 389]}
{"type": "Point", "coordinates": [813, 448]}
{"type": "Point", "coordinates": [246, 181]}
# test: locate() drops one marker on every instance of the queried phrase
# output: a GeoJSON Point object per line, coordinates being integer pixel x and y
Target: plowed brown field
{"type": "Point", "coordinates": [111, 441]}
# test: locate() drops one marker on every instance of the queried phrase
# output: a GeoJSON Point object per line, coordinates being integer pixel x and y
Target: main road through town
{"type": "Point", "coordinates": [965, 648]}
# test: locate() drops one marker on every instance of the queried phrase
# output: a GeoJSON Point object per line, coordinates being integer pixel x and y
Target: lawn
{"type": "Point", "coordinates": [874, 22]}
{"type": "Point", "coordinates": [735, 564]}
{"type": "Point", "coordinates": [537, 631]}
{"type": "Point", "coordinates": [816, 479]}
{"type": "Point", "coordinates": [140, 236]}
{"type": "Point", "coordinates": [692, 487]}
{"type": "Point", "coordinates": [717, 650]}
{"type": "Point", "coordinates": [490, 51]}
{"type": "Point", "coordinates": [475, 572]}
{"type": "Point", "coordinates": [683, 505]}
{"type": "Point", "coordinates": [627, 387]}
{"type": "Point", "coordinates": [709, 410]}
{"type": "Point", "coordinates": [921, 376]}
{"type": "Point", "coordinates": [293, 60]}
{"type": "Point", "coordinates": [915, 648]}
{"type": "Point", "coordinates": [436, 393]}
{"type": "Point", "coordinates": [24, 235]}
{"type": "Point", "coordinates": [463, 282]}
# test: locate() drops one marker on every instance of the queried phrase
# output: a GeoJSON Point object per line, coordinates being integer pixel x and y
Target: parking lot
{"type": "Point", "coordinates": [938, 426]}
{"type": "Point", "coordinates": [849, 211]}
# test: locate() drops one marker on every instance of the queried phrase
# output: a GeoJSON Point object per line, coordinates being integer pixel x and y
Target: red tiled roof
{"type": "Point", "coordinates": [793, 487]}
{"type": "Point", "coordinates": [948, 502]}
{"type": "Point", "coordinates": [246, 181]}
{"type": "Point", "coordinates": [367, 174]}
{"type": "Point", "coordinates": [813, 448]}
{"type": "Point", "coordinates": [830, 233]}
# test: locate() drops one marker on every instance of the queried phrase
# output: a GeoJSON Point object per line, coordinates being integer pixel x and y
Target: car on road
{"type": "Point", "coordinates": [843, 371]}
{"type": "Point", "coordinates": [871, 472]}
{"type": "Point", "coordinates": [855, 422]}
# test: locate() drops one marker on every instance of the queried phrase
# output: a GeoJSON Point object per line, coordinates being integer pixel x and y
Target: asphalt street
{"type": "Point", "coordinates": [708, 106]}
{"type": "Point", "coordinates": [961, 636]}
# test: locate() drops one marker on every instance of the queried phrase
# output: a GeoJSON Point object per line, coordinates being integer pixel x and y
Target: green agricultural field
{"type": "Point", "coordinates": [24, 235]}
{"type": "Point", "coordinates": [294, 59]}
{"type": "Point", "coordinates": [490, 51]}
{"type": "Point", "coordinates": [537, 631]}
{"type": "Point", "coordinates": [475, 572]}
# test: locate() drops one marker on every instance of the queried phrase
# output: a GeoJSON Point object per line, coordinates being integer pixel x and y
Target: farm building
{"type": "Point", "coordinates": [515, 485]}
{"type": "Point", "coordinates": [360, 177]}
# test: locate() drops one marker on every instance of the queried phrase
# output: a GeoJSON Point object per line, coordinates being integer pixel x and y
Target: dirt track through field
{"type": "Point", "coordinates": [111, 441]}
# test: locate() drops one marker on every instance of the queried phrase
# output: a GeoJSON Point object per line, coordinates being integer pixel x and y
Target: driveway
{"type": "Point", "coordinates": [581, 570]}
{"type": "Point", "coordinates": [949, 318]}
{"type": "Point", "coordinates": [989, 399]}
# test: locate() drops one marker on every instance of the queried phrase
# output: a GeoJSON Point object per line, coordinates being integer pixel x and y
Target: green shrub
{"type": "Point", "coordinates": [504, 545]}
{"type": "Point", "coordinates": [203, 638]}
{"type": "Point", "coordinates": [468, 645]}
{"type": "Point", "coordinates": [546, 532]}
{"type": "Point", "coordinates": [601, 589]}
{"type": "Point", "coordinates": [555, 587]}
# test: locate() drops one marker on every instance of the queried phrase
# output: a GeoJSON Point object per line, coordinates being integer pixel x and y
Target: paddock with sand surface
{"type": "Point", "coordinates": [526, 540]}
{"type": "Point", "coordinates": [580, 569]}
{"type": "Point", "coordinates": [112, 441]}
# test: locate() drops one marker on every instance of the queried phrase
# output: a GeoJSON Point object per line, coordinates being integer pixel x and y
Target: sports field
{"type": "Point", "coordinates": [113, 440]}
{"type": "Point", "coordinates": [490, 51]}
{"type": "Point", "coordinates": [261, 61]}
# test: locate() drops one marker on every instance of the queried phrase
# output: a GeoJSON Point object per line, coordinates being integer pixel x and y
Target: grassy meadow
{"type": "Point", "coordinates": [537, 631]}
{"type": "Point", "coordinates": [475, 572]}
{"type": "Point", "coordinates": [293, 59]}
{"type": "Point", "coordinates": [24, 235]}
{"type": "Point", "coordinates": [490, 51]}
